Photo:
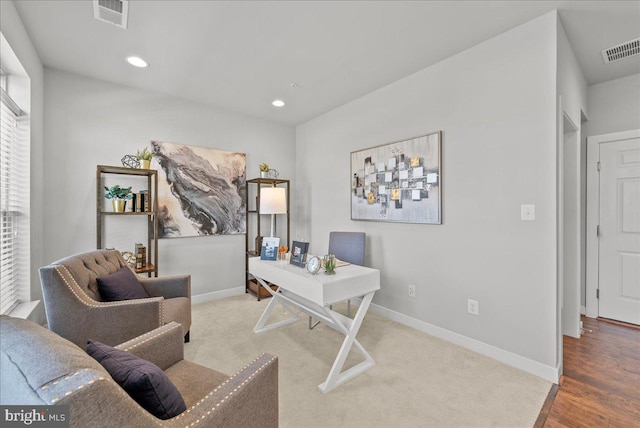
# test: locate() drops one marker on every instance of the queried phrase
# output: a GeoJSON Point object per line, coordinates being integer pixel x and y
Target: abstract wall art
{"type": "Point", "coordinates": [200, 190]}
{"type": "Point", "coordinates": [398, 182]}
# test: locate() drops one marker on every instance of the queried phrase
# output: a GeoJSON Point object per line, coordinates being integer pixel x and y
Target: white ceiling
{"type": "Point", "coordinates": [240, 55]}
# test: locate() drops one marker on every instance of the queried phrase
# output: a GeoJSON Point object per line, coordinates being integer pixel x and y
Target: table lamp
{"type": "Point", "coordinates": [273, 200]}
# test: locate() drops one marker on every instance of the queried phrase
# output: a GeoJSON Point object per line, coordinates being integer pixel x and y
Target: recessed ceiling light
{"type": "Point", "coordinates": [278, 103]}
{"type": "Point", "coordinates": [137, 62]}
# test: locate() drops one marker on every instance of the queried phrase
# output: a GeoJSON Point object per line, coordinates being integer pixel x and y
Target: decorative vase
{"type": "Point", "coordinates": [145, 163]}
{"type": "Point", "coordinates": [264, 174]}
{"type": "Point", "coordinates": [118, 205]}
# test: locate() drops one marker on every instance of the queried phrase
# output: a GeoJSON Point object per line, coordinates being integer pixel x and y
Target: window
{"type": "Point", "coordinates": [14, 199]}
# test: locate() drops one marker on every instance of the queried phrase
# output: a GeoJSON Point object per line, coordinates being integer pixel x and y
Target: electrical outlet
{"type": "Point", "coordinates": [473, 307]}
{"type": "Point", "coordinates": [412, 290]}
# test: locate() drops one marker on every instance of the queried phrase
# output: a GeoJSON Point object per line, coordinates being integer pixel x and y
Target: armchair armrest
{"type": "Point", "coordinates": [162, 346]}
{"type": "Point", "coordinates": [233, 403]}
{"type": "Point", "coordinates": [168, 287]}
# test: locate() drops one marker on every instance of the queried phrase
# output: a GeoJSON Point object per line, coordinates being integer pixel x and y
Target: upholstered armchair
{"type": "Point", "coordinates": [38, 367]}
{"type": "Point", "coordinates": [76, 311]}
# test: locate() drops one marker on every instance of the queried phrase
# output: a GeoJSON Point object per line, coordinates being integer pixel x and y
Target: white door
{"type": "Point", "coordinates": [619, 241]}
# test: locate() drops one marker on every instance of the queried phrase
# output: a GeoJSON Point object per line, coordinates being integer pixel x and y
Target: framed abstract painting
{"type": "Point", "coordinates": [398, 182]}
{"type": "Point", "coordinates": [201, 191]}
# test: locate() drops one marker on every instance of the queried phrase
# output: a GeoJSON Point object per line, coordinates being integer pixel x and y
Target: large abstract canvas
{"type": "Point", "coordinates": [398, 182]}
{"type": "Point", "coordinates": [201, 191]}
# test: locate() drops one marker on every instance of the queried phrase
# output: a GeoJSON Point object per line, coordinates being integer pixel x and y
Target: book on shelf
{"type": "Point", "coordinates": [269, 249]}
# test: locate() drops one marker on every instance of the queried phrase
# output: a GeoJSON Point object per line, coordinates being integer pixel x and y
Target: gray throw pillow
{"type": "Point", "coordinates": [121, 285]}
{"type": "Point", "coordinates": [145, 382]}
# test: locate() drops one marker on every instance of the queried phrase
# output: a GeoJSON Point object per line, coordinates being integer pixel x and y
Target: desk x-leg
{"type": "Point", "coordinates": [347, 326]}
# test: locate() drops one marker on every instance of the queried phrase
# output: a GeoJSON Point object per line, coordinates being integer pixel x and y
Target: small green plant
{"type": "Point", "coordinates": [117, 192]}
{"type": "Point", "coordinates": [330, 266]}
{"type": "Point", "coordinates": [145, 154]}
{"type": "Point", "coordinates": [264, 167]}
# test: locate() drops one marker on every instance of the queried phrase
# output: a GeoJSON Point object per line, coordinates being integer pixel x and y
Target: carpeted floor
{"type": "Point", "coordinates": [418, 380]}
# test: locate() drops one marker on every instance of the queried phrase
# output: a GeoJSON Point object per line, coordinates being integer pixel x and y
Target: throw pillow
{"type": "Point", "coordinates": [145, 382]}
{"type": "Point", "coordinates": [121, 285]}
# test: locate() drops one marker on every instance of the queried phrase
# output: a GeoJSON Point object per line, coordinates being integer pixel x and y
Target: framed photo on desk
{"type": "Point", "coordinates": [299, 252]}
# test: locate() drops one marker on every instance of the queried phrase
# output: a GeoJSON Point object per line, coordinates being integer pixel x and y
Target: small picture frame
{"type": "Point", "coordinates": [299, 252]}
{"type": "Point", "coordinates": [269, 249]}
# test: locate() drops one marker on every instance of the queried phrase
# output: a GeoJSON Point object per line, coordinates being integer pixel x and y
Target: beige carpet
{"type": "Point", "coordinates": [418, 380]}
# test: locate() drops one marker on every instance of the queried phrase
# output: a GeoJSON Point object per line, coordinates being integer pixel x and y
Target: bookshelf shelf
{"type": "Point", "coordinates": [252, 249]}
{"type": "Point", "coordinates": [151, 175]}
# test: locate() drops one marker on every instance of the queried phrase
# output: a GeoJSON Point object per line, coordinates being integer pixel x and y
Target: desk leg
{"type": "Point", "coordinates": [336, 377]}
{"type": "Point", "coordinates": [275, 299]}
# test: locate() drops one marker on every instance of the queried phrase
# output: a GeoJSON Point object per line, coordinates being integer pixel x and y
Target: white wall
{"type": "Point", "coordinates": [90, 122]}
{"type": "Point", "coordinates": [614, 106]}
{"type": "Point", "coordinates": [495, 104]}
{"type": "Point", "coordinates": [572, 93]}
{"type": "Point", "coordinates": [15, 33]}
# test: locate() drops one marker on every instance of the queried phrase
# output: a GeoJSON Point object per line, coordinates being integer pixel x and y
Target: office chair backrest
{"type": "Point", "coordinates": [348, 246]}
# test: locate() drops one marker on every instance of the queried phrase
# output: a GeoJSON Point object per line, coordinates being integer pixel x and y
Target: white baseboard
{"type": "Point", "coordinates": [552, 374]}
{"type": "Point", "coordinates": [215, 295]}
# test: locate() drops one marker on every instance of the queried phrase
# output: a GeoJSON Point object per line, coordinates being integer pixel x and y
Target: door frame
{"type": "Point", "coordinates": [593, 215]}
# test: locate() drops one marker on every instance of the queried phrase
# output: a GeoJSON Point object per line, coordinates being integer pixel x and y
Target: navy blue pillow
{"type": "Point", "coordinates": [121, 285]}
{"type": "Point", "coordinates": [143, 380]}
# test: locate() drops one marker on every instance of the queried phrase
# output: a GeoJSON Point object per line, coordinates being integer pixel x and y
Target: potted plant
{"type": "Point", "coordinates": [264, 170]}
{"type": "Point", "coordinates": [144, 156]}
{"type": "Point", "coordinates": [118, 196]}
{"type": "Point", "coordinates": [330, 265]}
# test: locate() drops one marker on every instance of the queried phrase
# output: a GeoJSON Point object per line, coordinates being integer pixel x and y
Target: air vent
{"type": "Point", "coordinates": [621, 51]}
{"type": "Point", "coordinates": [112, 11]}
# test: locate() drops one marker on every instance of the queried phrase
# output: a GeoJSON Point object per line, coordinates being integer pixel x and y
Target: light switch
{"type": "Point", "coordinates": [527, 212]}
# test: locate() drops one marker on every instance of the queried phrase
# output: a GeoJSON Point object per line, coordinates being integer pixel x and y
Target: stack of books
{"type": "Point", "coordinates": [141, 256]}
{"type": "Point", "coordinates": [140, 201]}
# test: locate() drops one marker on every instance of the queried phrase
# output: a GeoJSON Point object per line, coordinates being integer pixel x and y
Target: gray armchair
{"type": "Point", "coordinates": [38, 367]}
{"type": "Point", "coordinates": [76, 311]}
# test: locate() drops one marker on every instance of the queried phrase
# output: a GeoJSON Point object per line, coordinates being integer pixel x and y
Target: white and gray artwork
{"type": "Point", "coordinates": [201, 191]}
{"type": "Point", "coordinates": [398, 182]}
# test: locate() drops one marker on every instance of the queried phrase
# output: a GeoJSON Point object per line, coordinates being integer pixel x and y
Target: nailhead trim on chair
{"type": "Point", "coordinates": [60, 269]}
{"type": "Point", "coordinates": [55, 400]}
{"type": "Point", "coordinates": [138, 342]}
{"type": "Point", "coordinates": [228, 395]}
{"type": "Point", "coordinates": [119, 389]}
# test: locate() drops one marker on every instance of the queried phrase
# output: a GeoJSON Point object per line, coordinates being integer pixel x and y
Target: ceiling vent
{"type": "Point", "coordinates": [621, 51]}
{"type": "Point", "coordinates": [112, 11]}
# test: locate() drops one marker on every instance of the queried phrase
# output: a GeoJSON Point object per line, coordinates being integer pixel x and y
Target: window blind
{"type": "Point", "coordinates": [12, 202]}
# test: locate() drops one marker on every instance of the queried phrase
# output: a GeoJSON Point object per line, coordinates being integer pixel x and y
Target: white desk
{"type": "Point", "coordinates": [312, 294]}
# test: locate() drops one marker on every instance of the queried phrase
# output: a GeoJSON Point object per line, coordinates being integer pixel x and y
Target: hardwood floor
{"type": "Point", "coordinates": [601, 382]}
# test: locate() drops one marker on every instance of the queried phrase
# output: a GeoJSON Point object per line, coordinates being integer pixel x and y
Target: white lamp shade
{"type": "Point", "coordinates": [273, 200]}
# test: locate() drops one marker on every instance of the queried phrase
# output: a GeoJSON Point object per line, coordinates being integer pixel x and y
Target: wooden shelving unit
{"type": "Point", "coordinates": [152, 218]}
{"type": "Point", "coordinates": [252, 205]}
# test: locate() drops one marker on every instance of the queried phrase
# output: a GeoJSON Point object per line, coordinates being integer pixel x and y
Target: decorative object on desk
{"type": "Point", "coordinates": [118, 196]}
{"type": "Point", "coordinates": [264, 170]}
{"type": "Point", "coordinates": [145, 156]}
{"type": "Point", "coordinates": [283, 254]}
{"type": "Point", "coordinates": [314, 264]}
{"type": "Point", "coordinates": [398, 182]}
{"type": "Point", "coordinates": [273, 200]}
{"type": "Point", "coordinates": [330, 264]}
{"type": "Point", "coordinates": [299, 252]}
{"type": "Point", "coordinates": [130, 161]}
{"type": "Point", "coordinates": [201, 191]}
{"type": "Point", "coordinates": [269, 249]}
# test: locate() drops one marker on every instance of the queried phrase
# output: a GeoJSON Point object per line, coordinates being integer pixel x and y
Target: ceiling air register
{"type": "Point", "coordinates": [621, 51]}
{"type": "Point", "coordinates": [112, 11]}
